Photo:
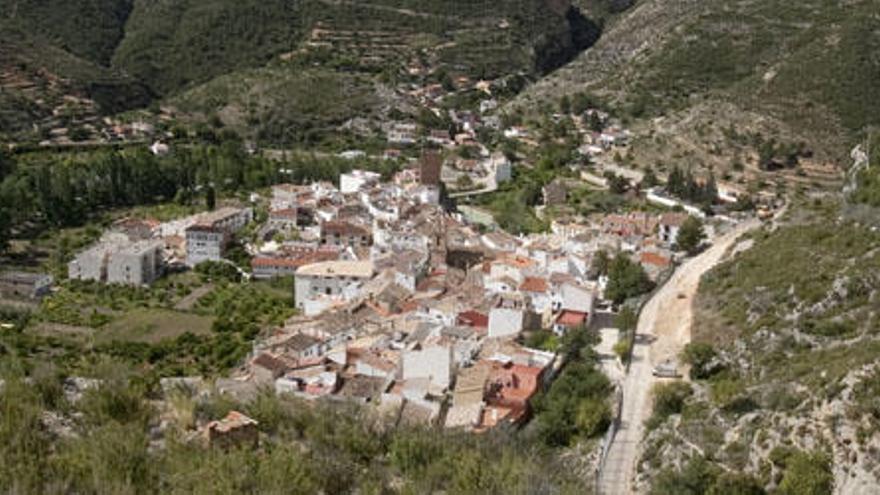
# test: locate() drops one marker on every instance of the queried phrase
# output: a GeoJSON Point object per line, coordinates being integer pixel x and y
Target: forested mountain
{"type": "Point", "coordinates": [104, 50]}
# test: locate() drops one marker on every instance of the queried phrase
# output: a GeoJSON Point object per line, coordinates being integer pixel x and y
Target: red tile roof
{"type": "Point", "coordinates": [570, 318]}
{"type": "Point", "coordinates": [649, 258]}
{"type": "Point", "coordinates": [534, 284]}
{"type": "Point", "coordinates": [473, 319]}
{"type": "Point", "coordinates": [513, 384]}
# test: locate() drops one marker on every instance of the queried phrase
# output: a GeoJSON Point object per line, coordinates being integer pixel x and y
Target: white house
{"type": "Point", "coordinates": [356, 180]}
{"type": "Point", "coordinates": [331, 280]}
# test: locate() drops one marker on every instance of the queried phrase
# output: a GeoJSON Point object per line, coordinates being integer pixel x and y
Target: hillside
{"type": "Point", "coordinates": [89, 29]}
{"type": "Point", "coordinates": [784, 362]}
{"type": "Point", "coordinates": [283, 104]}
{"type": "Point", "coordinates": [43, 85]}
{"type": "Point", "coordinates": [173, 45]}
{"type": "Point", "coordinates": [166, 48]}
{"type": "Point", "coordinates": [687, 71]}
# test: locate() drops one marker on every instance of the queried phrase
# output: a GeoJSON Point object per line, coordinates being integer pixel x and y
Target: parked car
{"type": "Point", "coordinates": [667, 369]}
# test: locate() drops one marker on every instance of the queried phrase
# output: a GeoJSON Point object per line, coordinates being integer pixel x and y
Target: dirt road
{"type": "Point", "coordinates": [663, 330]}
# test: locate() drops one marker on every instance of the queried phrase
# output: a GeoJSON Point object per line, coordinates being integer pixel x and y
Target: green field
{"type": "Point", "coordinates": [153, 325]}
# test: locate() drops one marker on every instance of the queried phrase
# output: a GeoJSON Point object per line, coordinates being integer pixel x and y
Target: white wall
{"type": "Point", "coordinates": [433, 363]}
{"type": "Point", "coordinates": [505, 322]}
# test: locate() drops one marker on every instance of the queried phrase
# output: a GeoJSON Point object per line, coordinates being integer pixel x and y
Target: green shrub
{"type": "Point", "coordinates": [807, 473]}
{"type": "Point", "coordinates": [669, 399]}
{"type": "Point", "coordinates": [700, 357]}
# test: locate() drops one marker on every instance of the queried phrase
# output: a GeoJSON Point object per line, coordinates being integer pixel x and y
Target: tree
{"type": "Point", "coordinates": [736, 484]}
{"type": "Point", "coordinates": [210, 198]}
{"type": "Point", "coordinates": [581, 102]}
{"type": "Point", "coordinates": [595, 122]}
{"type": "Point", "coordinates": [592, 417]}
{"type": "Point", "coordinates": [649, 180]}
{"type": "Point", "coordinates": [623, 348]}
{"type": "Point", "coordinates": [626, 319]}
{"type": "Point", "coordinates": [616, 183]}
{"type": "Point", "coordinates": [565, 105]}
{"type": "Point", "coordinates": [626, 279]}
{"type": "Point", "coordinates": [6, 164]}
{"type": "Point", "coordinates": [710, 191]}
{"type": "Point", "coordinates": [694, 478]}
{"type": "Point", "coordinates": [600, 263]}
{"type": "Point", "coordinates": [675, 182]}
{"type": "Point", "coordinates": [691, 235]}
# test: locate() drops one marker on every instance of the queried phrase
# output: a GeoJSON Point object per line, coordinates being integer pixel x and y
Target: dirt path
{"type": "Point", "coordinates": [190, 300]}
{"type": "Point", "coordinates": [663, 330]}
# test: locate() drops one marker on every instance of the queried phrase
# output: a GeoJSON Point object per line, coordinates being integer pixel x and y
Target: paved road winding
{"type": "Point", "coordinates": [663, 330]}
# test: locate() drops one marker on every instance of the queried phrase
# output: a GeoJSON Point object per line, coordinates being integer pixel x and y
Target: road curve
{"type": "Point", "coordinates": [663, 330]}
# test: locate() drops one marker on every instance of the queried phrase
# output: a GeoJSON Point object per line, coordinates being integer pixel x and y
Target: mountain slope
{"type": "Point", "coordinates": [171, 45]}
{"type": "Point", "coordinates": [785, 361]}
{"type": "Point", "coordinates": [46, 86]}
{"type": "Point", "coordinates": [808, 68]}
{"type": "Point", "coordinates": [89, 29]}
{"type": "Point", "coordinates": [166, 48]}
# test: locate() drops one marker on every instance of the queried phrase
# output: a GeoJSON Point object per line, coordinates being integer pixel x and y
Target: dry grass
{"type": "Point", "coordinates": [154, 325]}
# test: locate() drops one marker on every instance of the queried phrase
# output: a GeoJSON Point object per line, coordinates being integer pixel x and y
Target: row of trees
{"type": "Point", "coordinates": [684, 185]}
{"type": "Point", "coordinates": [65, 190]}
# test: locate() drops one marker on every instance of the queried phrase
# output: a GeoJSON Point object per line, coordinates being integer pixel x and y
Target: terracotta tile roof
{"type": "Point", "coordinates": [344, 228]}
{"type": "Point", "coordinates": [300, 259]}
{"type": "Point", "coordinates": [649, 258]}
{"type": "Point", "coordinates": [280, 262]}
{"type": "Point", "coordinates": [571, 318]}
{"type": "Point", "coordinates": [534, 284]}
{"type": "Point", "coordinates": [473, 319]}
{"type": "Point", "coordinates": [517, 261]}
{"type": "Point", "coordinates": [513, 385]}
{"type": "Point", "coordinates": [285, 213]}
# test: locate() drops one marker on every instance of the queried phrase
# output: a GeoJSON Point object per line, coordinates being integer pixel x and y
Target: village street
{"type": "Point", "coordinates": [663, 330]}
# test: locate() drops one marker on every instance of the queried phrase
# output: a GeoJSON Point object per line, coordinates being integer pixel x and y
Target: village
{"type": "Point", "coordinates": [430, 313]}
{"type": "Point", "coordinates": [413, 291]}
{"type": "Point", "coordinates": [401, 303]}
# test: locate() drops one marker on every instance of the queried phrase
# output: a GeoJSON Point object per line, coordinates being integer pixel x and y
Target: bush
{"type": "Point", "coordinates": [216, 271]}
{"type": "Point", "coordinates": [668, 400]}
{"type": "Point", "coordinates": [623, 348]}
{"type": "Point", "coordinates": [701, 477]}
{"type": "Point", "coordinates": [807, 473]}
{"type": "Point", "coordinates": [691, 235]}
{"type": "Point", "coordinates": [574, 406]}
{"type": "Point", "coordinates": [700, 357]}
{"type": "Point", "coordinates": [542, 339]}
